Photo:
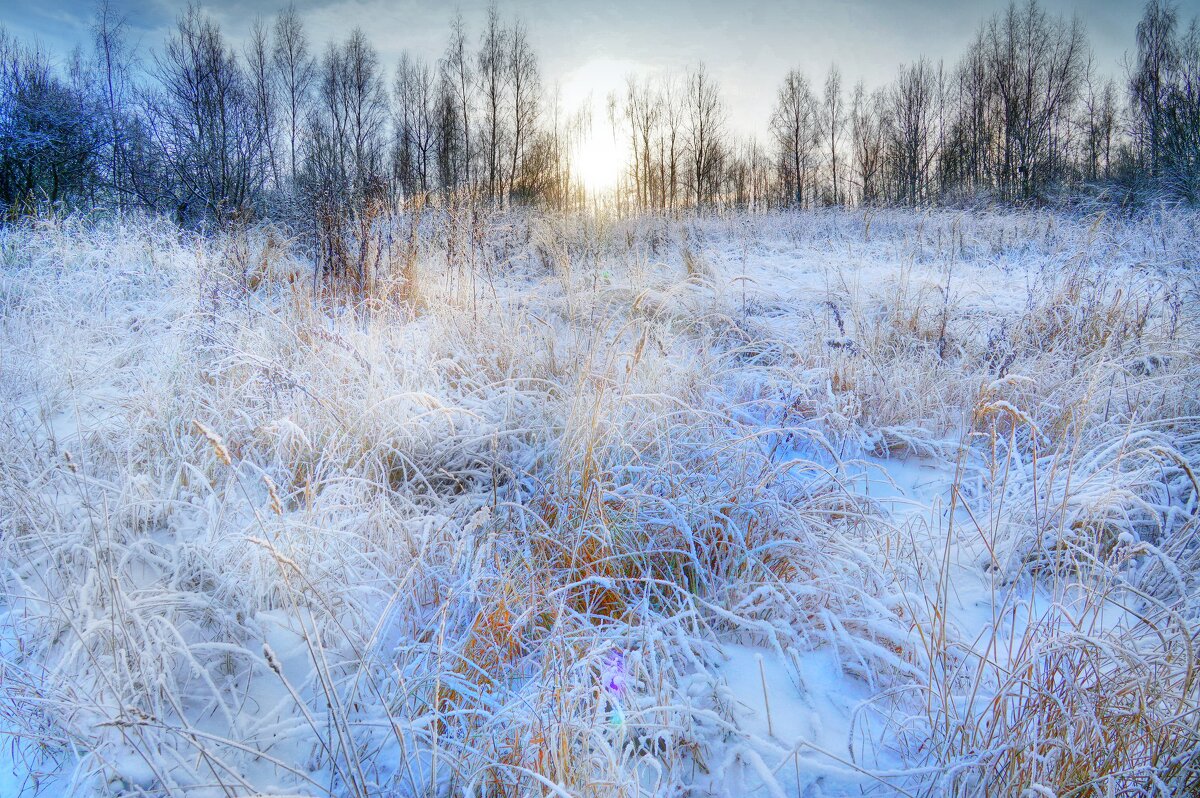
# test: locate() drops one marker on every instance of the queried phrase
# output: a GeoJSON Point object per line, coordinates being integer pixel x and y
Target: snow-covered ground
{"type": "Point", "coordinates": [870, 502]}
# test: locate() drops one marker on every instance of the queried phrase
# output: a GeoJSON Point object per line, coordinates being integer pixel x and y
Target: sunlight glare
{"type": "Point", "coordinates": [598, 162]}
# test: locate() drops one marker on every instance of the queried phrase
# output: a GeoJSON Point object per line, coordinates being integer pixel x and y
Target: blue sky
{"type": "Point", "coordinates": [590, 45]}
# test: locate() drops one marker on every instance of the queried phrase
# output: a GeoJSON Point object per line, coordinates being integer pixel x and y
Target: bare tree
{"type": "Point", "coordinates": [1183, 118]}
{"type": "Point", "coordinates": [912, 149]}
{"type": "Point", "coordinates": [1156, 58]}
{"type": "Point", "coordinates": [295, 68]}
{"type": "Point", "coordinates": [641, 111]}
{"type": "Point", "coordinates": [794, 126]}
{"type": "Point", "coordinates": [868, 126]}
{"type": "Point", "coordinates": [458, 85]}
{"type": "Point", "coordinates": [449, 136]}
{"type": "Point", "coordinates": [1036, 63]}
{"type": "Point", "coordinates": [671, 142]}
{"type": "Point", "coordinates": [115, 63]}
{"type": "Point", "coordinates": [416, 122]}
{"type": "Point", "coordinates": [1098, 124]}
{"type": "Point", "coordinates": [749, 176]}
{"type": "Point", "coordinates": [664, 125]}
{"type": "Point", "coordinates": [204, 120]}
{"type": "Point", "coordinates": [833, 114]}
{"type": "Point", "coordinates": [345, 158]}
{"type": "Point", "coordinates": [263, 90]}
{"type": "Point", "coordinates": [366, 102]}
{"type": "Point", "coordinates": [492, 79]}
{"type": "Point", "coordinates": [525, 82]}
{"type": "Point", "coordinates": [970, 161]}
{"type": "Point", "coordinates": [705, 130]}
{"type": "Point", "coordinates": [1165, 94]}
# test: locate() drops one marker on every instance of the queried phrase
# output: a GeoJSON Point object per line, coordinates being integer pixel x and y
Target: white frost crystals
{"type": "Point", "coordinates": [876, 502]}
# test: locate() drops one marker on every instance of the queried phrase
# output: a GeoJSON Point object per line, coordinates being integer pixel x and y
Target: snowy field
{"type": "Point", "coordinates": [846, 503]}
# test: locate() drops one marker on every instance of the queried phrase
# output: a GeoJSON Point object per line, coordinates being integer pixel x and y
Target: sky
{"type": "Point", "coordinates": [586, 47]}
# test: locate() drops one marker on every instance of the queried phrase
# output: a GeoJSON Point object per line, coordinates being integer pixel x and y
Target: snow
{"type": "Point", "coordinates": [815, 504]}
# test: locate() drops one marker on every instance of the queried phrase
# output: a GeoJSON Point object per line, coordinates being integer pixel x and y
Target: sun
{"type": "Point", "coordinates": [598, 162]}
{"type": "Point", "coordinates": [599, 158]}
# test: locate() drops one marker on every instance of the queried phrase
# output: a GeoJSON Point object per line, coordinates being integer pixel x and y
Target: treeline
{"type": "Point", "coordinates": [1024, 116]}
{"type": "Point", "coordinates": [210, 133]}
